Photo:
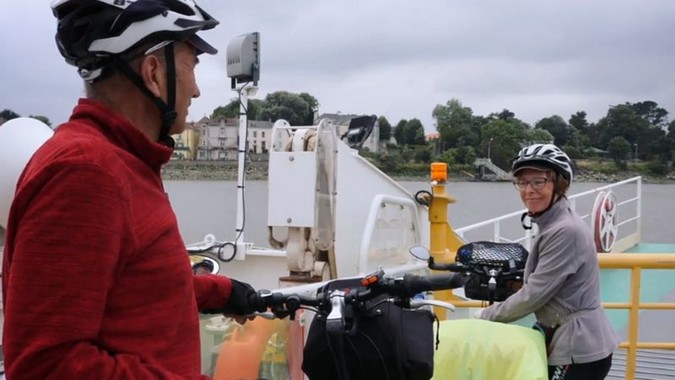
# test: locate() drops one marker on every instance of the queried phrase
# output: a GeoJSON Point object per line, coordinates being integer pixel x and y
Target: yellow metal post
{"type": "Point", "coordinates": [633, 322]}
{"type": "Point", "coordinates": [443, 240]}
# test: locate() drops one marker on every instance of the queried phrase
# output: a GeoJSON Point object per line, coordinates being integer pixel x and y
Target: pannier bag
{"type": "Point", "coordinates": [389, 343]}
{"type": "Point", "coordinates": [501, 265]}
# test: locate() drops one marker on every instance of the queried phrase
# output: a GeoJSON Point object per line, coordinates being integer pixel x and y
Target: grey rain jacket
{"type": "Point", "coordinates": [562, 287]}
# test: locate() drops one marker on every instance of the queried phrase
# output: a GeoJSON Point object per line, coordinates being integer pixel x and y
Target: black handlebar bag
{"type": "Point", "coordinates": [484, 260]}
{"type": "Point", "coordinates": [385, 342]}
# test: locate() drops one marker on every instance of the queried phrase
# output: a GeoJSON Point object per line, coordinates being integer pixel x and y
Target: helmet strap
{"type": "Point", "coordinates": [522, 222]}
{"type": "Point", "coordinates": [169, 117]}
{"type": "Point", "coordinates": [167, 110]}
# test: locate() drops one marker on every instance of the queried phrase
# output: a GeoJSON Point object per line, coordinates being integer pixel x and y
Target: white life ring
{"type": "Point", "coordinates": [19, 139]}
{"type": "Point", "coordinates": [604, 221]}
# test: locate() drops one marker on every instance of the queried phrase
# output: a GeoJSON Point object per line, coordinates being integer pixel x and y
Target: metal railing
{"type": "Point", "coordinates": [636, 263]}
{"type": "Point", "coordinates": [500, 224]}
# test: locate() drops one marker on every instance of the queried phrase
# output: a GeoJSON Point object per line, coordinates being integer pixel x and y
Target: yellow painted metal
{"type": "Point", "coordinates": [651, 345]}
{"type": "Point", "coordinates": [469, 304]}
{"type": "Point", "coordinates": [633, 322]}
{"type": "Point", "coordinates": [631, 260]}
{"type": "Point", "coordinates": [443, 240]}
{"type": "Point", "coordinates": [642, 305]}
{"type": "Point", "coordinates": [637, 262]}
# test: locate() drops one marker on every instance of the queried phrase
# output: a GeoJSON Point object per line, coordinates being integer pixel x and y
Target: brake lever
{"type": "Point", "coordinates": [265, 315]}
{"type": "Point", "coordinates": [416, 304]}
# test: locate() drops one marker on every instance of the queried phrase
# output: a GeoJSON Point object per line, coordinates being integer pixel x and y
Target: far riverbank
{"type": "Point", "coordinates": [227, 171]}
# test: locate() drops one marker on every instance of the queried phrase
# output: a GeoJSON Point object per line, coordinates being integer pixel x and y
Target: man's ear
{"type": "Point", "coordinates": [152, 73]}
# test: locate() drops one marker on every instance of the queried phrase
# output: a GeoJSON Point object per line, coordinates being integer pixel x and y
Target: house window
{"type": "Point", "coordinates": [255, 134]}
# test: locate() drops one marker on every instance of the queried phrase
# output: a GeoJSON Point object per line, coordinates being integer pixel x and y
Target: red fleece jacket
{"type": "Point", "coordinates": [97, 283]}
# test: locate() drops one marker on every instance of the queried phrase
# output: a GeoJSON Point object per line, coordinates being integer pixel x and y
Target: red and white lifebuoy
{"type": "Point", "coordinates": [604, 221]}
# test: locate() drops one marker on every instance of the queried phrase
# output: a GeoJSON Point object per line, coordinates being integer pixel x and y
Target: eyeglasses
{"type": "Point", "coordinates": [537, 183]}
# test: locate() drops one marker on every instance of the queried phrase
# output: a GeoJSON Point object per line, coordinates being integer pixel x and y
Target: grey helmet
{"type": "Point", "coordinates": [547, 155]}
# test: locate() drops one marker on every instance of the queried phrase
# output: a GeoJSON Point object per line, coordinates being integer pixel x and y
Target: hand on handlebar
{"type": "Point", "coordinates": [244, 299]}
{"type": "Point", "coordinates": [242, 303]}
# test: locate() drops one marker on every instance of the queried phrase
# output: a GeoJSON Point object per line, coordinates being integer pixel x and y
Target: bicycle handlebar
{"type": "Point", "coordinates": [450, 267]}
{"type": "Point", "coordinates": [412, 284]}
{"type": "Point", "coordinates": [372, 286]}
{"type": "Point", "coordinates": [340, 308]}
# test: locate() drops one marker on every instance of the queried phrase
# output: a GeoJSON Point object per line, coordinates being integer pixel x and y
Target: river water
{"type": "Point", "coordinates": [204, 207]}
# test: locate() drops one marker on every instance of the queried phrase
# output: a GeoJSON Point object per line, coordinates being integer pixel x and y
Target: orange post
{"type": "Point", "coordinates": [443, 240]}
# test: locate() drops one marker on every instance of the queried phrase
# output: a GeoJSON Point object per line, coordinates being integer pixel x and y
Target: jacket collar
{"type": "Point", "coordinates": [121, 132]}
{"type": "Point", "coordinates": [553, 213]}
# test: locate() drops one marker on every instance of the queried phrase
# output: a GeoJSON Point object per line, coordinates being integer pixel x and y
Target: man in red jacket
{"type": "Point", "coordinates": [97, 283]}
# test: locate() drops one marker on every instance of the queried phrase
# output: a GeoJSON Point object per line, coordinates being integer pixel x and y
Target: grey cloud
{"type": "Point", "coordinates": [400, 58]}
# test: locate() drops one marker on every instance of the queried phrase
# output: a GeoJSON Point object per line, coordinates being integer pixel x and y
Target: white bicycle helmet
{"type": "Point", "coordinates": [547, 155]}
{"type": "Point", "coordinates": [90, 32]}
{"type": "Point", "coordinates": [101, 36]}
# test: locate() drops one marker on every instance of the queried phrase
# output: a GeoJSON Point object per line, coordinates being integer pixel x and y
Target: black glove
{"type": "Point", "coordinates": [243, 300]}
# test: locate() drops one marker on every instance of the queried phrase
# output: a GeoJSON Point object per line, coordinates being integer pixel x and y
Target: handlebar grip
{"type": "Point", "coordinates": [450, 267]}
{"type": "Point", "coordinates": [413, 284]}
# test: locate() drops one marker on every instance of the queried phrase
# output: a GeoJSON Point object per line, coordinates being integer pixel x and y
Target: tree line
{"type": "Point", "coordinates": [629, 131]}
{"type": "Point", "coordinates": [7, 114]}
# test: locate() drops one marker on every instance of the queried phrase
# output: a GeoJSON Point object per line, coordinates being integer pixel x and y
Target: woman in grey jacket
{"type": "Point", "coordinates": [562, 286]}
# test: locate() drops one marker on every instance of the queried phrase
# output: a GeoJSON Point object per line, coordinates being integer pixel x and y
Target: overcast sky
{"type": "Point", "coordinates": [397, 59]}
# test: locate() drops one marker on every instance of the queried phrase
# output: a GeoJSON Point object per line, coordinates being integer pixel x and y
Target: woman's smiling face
{"type": "Point", "coordinates": [535, 188]}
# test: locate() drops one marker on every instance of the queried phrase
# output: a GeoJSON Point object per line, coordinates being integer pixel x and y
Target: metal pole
{"type": "Point", "coordinates": [245, 92]}
{"type": "Point", "coordinates": [443, 242]}
{"type": "Point", "coordinates": [636, 152]}
{"type": "Point", "coordinates": [489, 144]}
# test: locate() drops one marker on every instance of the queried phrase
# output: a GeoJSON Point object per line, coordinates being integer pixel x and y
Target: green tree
{"type": "Point", "coordinates": [651, 112]}
{"type": "Point", "coordinates": [7, 114]}
{"type": "Point", "coordinates": [455, 122]}
{"type": "Point", "coordinates": [291, 107]}
{"type": "Point", "coordinates": [43, 119]}
{"type": "Point", "coordinates": [385, 128]}
{"type": "Point", "coordinates": [538, 136]}
{"type": "Point", "coordinates": [557, 127]}
{"type": "Point", "coordinates": [465, 155]}
{"type": "Point", "coordinates": [578, 121]}
{"type": "Point", "coordinates": [649, 140]}
{"type": "Point", "coordinates": [231, 110]}
{"type": "Point", "coordinates": [508, 138]}
{"type": "Point", "coordinates": [399, 132]}
{"type": "Point", "coordinates": [671, 141]}
{"type": "Point", "coordinates": [409, 132]}
{"type": "Point", "coordinates": [313, 106]}
{"type": "Point", "coordinates": [619, 150]}
{"type": "Point", "coordinates": [577, 140]}
{"type": "Point", "coordinates": [390, 163]}
{"type": "Point", "coordinates": [506, 115]}
{"type": "Point", "coordinates": [423, 154]}
{"type": "Point", "coordinates": [416, 132]}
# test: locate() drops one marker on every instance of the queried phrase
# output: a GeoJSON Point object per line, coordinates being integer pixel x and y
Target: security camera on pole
{"type": "Point", "coordinates": [243, 67]}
